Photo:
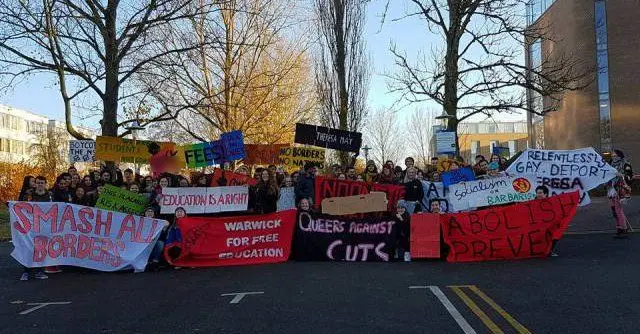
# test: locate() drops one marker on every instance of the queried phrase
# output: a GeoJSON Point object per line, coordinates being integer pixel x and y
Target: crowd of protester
{"type": "Point", "coordinates": [71, 187]}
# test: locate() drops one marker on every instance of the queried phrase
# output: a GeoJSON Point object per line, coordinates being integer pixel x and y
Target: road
{"type": "Point", "coordinates": [591, 288]}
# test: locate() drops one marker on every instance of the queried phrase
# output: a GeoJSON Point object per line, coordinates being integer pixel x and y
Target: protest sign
{"type": "Point", "coordinates": [326, 187]}
{"type": "Point", "coordinates": [338, 238]}
{"type": "Point", "coordinates": [204, 200]}
{"type": "Point", "coordinates": [565, 171]}
{"type": "Point", "coordinates": [338, 206]}
{"type": "Point", "coordinates": [502, 151]}
{"type": "Point", "coordinates": [263, 154]}
{"type": "Point", "coordinates": [51, 234]}
{"type": "Point", "coordinates": [444, 164]}
{"type": "Point", "coordinates": [425, 236]}
{"type": "Point", "coordinates": [121, 200]}
{"type": "Point", "coordinates": [200, 155]}
{"type": "Point", "coordinates": [458, 175]}
{"type": "Point", "coordinates": [394, 194]}
{"type": "Point", "coordinates": [126, 150]}
{"type": "Point", "coordinates": [227, 241]}
{"type": "Point", "coordinates": [230, 178]}
{"type": "Point", "coordinates": [233, 144]}
{"type": "Point", "coordinates": [435, 192]}
{"type": "Point", "coordinates": [287, 200]}
{"type": "Point", "coordinates": [491, 191]}
{"type": "Point", "coordinates": [82, 151]}
{"type": "Point", "coordinates": [517, 231]}
{"type": "Point", "coordinates": [446, 142]}
{"type": "Point", "coordinates": [328, 138]}
{"type": "Point", "coordinates": [294, 158]}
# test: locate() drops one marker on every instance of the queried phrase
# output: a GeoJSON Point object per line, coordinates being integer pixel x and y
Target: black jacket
{"type": "Point", "coordinates": [413, 191]}
{"type": "Point", "coordinates": [305, 187]}
{"type": "Point", "coordinates": [266, 201]}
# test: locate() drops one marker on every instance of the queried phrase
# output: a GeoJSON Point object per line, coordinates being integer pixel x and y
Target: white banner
{"type": "Point", "coordinates": [287, 200]}
{"type": "Point", "coordinates": [51, 234]}
{"type": "Point", "coordinates": [204, 200]}
{"type": "Point", "coordinates": [82, 151]}
{"type": "Point", "coordinates": [565, 171]}
{"type": "Point", "coordinates": [435, 192]}
{"type": "Point", "coordinates": [491, 191]}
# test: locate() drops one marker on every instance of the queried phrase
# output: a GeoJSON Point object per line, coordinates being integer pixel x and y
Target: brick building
{"type": "Point", "coordinates": [603, 36]}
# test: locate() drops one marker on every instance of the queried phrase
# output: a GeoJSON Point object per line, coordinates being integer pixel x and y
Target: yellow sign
{"type": "Point", "coordinates": [294, 158]}
{"type": "Point", "coordinates": [125, 150]}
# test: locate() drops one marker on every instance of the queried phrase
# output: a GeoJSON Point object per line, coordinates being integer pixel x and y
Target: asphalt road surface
{"type": "Point", "coordinates": [591, 288]}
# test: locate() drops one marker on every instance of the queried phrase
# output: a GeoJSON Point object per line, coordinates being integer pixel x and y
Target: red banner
{"type": "Point", "coordinates": [243, 240]}
{"type": "Point", "coordinates": [425, 236]}
{"type": "Point", "coordinates": [326, 187]}
{"type": "Point", "coordinates": [262, 154]}
{"type": "Point", "coordinates": [231, 178]}
{"type": "Point", "coordinates": [518, 231]}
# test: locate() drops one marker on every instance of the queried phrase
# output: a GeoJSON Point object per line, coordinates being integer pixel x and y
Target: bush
{"type": "Point", "coordinates": [12, 175]}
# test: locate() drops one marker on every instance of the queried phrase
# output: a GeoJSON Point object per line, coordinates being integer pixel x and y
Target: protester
{"type": "Point", "coordinates": [39, 194]}
{"type": "Point", "coordinates": [28, 186]}
{"type": "Point", "coordinates": [403, 231]}
{"type": "Point", "coordinates": [287, 182]}
{"type": "Point", "coordinates": [618, 189]}
{"type": "Point", "coordinates": [409, 162]}
{"type": "Point", "coordinates": [61, 191]}
{"type": "Point", "coordinates": [479, 158]}
{"type": "Point", "coordinates": [542, 192]}
{"type": "Point", "coordinates": [342, 176]}
{"type": "Point", "coordinates": [398, 175]}
{"type": "Point", "coordinates": [351, 174]}
{"type": "Point", "coordinates": [306, 183]}
{"type": "Point", "coordinates": [413, 189]}
{"type": "Point", "coordinates": [267, 193]}
{"type": "Point", "coordinates": [434, 206]}
{"type": "Point", "coordinates": [386, 177]}
{"type": "Point", "coordinates": [371, 172]}
{"type": "Point", "coordinates": [80, 197]}
{"type": "Point", "coordinates": [436, 177]}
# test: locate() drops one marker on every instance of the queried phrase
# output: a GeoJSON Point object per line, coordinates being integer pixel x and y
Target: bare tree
{"type": "Point", "coordinates": [419, 131]}
{"type": "Point", "coordinates": [342, 70]}
{"type": "Point", "coordinates": [50, 150]}
{"type": "Point", "coordinates": [480, 69]}
{"type": "Point", "coordinates": [92, 47]}
{"type": "Point", "coordinates": [247, 74]}
{"type": "Point", "coordinates": [383, 134]}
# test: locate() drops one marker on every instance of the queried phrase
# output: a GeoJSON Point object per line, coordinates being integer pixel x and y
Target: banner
{"type": "Point", "coordinates": [204, 200]}
{"type": "Point", "coordinates": [326, 187]}
{"type": "Point", "coordinates": [350, 205]}
{"type": "Point", "coordinates": [517, 231]}
{"type": "Point", "coordinates": [231, 178]}
{"type": "Point", "coordinates": [121, 200]}
{"type": "Point", "coordinates": [52, 234]}
{"type": "Point", "coordinates": [200, 155]}
{"type": "Point", "coordinates": [227, 241]}
{"type": "Point", "coordinates": [287, 200]}
{"type": "Point", "coordinates": [82, 151]}
{"type": "Point", "coordinates": [425, 236]}
{"type": "Point", "coordinates": [294, 158]}
{"type": "Point", "coordinates": [435, 192]}
{"type": "Point", "coordinates": [458, 175]}
{"type": "Point", "coordinates": [125, 150]}
{"type": "Point", "coordinates": [337, 238]}
{"type": "Point", "coordinates": [491, 191]}
{"type": "Point", "coordinates": [394, 194]}
{"type": "Point", "coordinates": [328, 138]}
{"type": "Point", "coordinates": [263, 154]}
{"type": "Point", "coordinates": [565, 171]}
{"type": "Point", "coordinates": [229, 147]}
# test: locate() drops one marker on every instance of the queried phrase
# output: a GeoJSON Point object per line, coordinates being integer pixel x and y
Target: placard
{"type": "Point", "coordinates": [326, 187]}
{"type": "Point", "coordinates": [82, 151]}
{"type": "Point", "coordinates": [233, 144]}
{"type": "Point", "coordinates": [435, 192]}
{"type": "Point", "coordinates": [565, 171]}
{"type": "Point", "coordinates": [204, 200]}
{"type": "Point", "coordinates": [339, 238]}
{"type": "Point", "coordinates": [458, 175]}
{"type": "Point", "coordinates": [491, 191]}
{"type": "Point", "coordinates": [231, 178]}
{"type": "Point", "coordinates": [425, 236]}
{"type": "Point", "coordinates": [328, 138]}
{"type": "Point", "coordinates": [517, 231]}
{"type": "Point", "coordinates": [200, 155]}
{"type": "Point", "coordinates": [263, 154]}
{"type": "Point", "coordinates": [338, 206]}
{"type": "Point", "coordinates": [52, 234]}
{"type": "Point", "coordinates": [294, 158]}
{"type": "Point", "coordinates": [121, 200]}
{"type": "Point", "coordinates": [126, 150]}
{"type": "Point", "coordinates": [287, 200]}
{"type": "Point", "coordinates": [227, 241]}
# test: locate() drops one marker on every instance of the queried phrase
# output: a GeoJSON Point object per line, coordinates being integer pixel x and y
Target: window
{"type": "Point", "coordinates": [505, 127]}
{"type": "Point", "coordinates": [475, 148]}
{"type": "Point", "coordinates": [602, 60]}
{"type": "Point", "coordinates": [535, 9]}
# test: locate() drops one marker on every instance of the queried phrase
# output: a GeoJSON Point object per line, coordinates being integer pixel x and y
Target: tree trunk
{"type": "Point", "coordinates": [450, 103]}
{"type": "Point", "coordinates": [341, 72]}
{"type": "Point", "coordinates": [112, 86]}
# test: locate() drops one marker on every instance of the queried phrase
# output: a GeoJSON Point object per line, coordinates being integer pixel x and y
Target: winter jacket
{"type": "Point", "coordinates": [413, 191]}
{"type": "Point", "coordinates": [266, 201]}
{"type": "Point", "coordinates": [305, 187]}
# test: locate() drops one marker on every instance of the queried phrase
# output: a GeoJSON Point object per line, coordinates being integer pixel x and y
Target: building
{"type": "Point", "coordinates": [19, 130]}
{"type": "Point", "coordinates": [603, 36]}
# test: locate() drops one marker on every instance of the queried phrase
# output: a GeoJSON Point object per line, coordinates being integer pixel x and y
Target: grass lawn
{"type": "Point", "coordinates": [5, 229]}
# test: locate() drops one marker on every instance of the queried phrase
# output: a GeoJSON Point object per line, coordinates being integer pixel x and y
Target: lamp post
{"type": "Point", "coordinates": [445, 117]}
{"type": "Point", "coordinates": [134, 128]}
{"type": "Point", "coordinates": [366, 149]}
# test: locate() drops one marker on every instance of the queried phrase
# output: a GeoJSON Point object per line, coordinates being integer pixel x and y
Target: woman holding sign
{"type": "Point", "coordinates": [619, 189]}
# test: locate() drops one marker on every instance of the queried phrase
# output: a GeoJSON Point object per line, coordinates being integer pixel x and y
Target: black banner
{"type": "Point", "coordinates": [328, 138]}
{"type": "Point", "coordinates": [338, 238]}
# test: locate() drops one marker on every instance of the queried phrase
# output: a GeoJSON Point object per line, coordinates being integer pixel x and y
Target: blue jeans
{"type": "Point", "coordinates": [157, 252]}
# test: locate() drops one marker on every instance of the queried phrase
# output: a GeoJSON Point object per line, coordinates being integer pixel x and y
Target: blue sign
{"type": "Point", "coordinates": [458, 175]}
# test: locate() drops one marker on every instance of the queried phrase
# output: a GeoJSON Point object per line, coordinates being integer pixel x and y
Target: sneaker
{"type": "Point", "coordinates": [24, 277]}
{"type": "Point", "coordinates": [40, 275]}
{"type": "Point", "coordinates": [52, 270]}
{"type": "Point", "coordinates": [554, 254]}
{"type": "Point", "coordinates": [407, 257]}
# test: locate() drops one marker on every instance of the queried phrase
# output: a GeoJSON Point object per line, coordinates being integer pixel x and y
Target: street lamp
{"type": "Point", "coordinates": [134, 128]}
{"type": "Point", "coordinates": [445, 117]}
{"type": "Point", "coordinates": [366, 149]}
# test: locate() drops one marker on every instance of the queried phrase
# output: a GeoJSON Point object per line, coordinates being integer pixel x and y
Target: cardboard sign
{"type": "Point", "coordinates": [565, 171]}
{"type": "Point", "coordinates": [435, 192]}
{"type": "Point", "coordinates": [287, 200]}
{"type": "Point", "coordinates": [338, 206]}
{"type": "Point", "coordinates": [326, 187]}
{"type": "Point", "coordinates": [121, 200]}
{"type": "Point", "coordinates": [294, 158]}
{"type": "Point", "coordinates": [517, 231]}
{"type": "Point", "coordinates": [126, 150]}
{"type": "Point", "coordinates": [82, 151]}
{"type": "Point", "coordinates": [204, 200]}
{"type": "Point", "coordinates": [338, 238]}
{"type": "Point", "coordinates": [228, 241]}
{"type": "Point", "coordinates": [491, 191]}
{"type": "Point", "coordinates": [425, 236]}
{"type": "Point", "coordinates": [52, 234]}
{"type": "Point", "coordinates": [328, 138]}
{"type": "Point", "coordinates": [231, 178]}
{"type": "Point", "coordinates": [263, 154]}
{"type": "Point", "coordinates": [464, 174]}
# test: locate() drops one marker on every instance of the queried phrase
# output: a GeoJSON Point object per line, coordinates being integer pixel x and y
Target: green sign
{"type": "Point", "coordinates": [121, 200]}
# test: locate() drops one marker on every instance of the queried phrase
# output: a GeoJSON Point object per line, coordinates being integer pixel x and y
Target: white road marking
{"type": "Point", "coordinates": [462, 322]}
{"type": "Point", "coordinates": [237, 296]}
{"type": "Point", "coordinates": [41, 305]}
{"type": "Point", "coordinates": [17, 302]}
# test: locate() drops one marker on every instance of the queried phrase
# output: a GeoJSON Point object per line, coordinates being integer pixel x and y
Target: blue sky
{"type": "Point", "coordinates": [39, 94]}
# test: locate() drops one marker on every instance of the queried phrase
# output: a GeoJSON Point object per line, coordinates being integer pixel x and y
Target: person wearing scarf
{"type": "Point", "coordinates": [618, 188]}
{"type": "Point", "coordinates": [387, 176]}
{"type": "Point", "coordinates": [371, 172]}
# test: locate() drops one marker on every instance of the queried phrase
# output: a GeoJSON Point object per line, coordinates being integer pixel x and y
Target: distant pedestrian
{"type": "Point", "coordinates": [618, 189]}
